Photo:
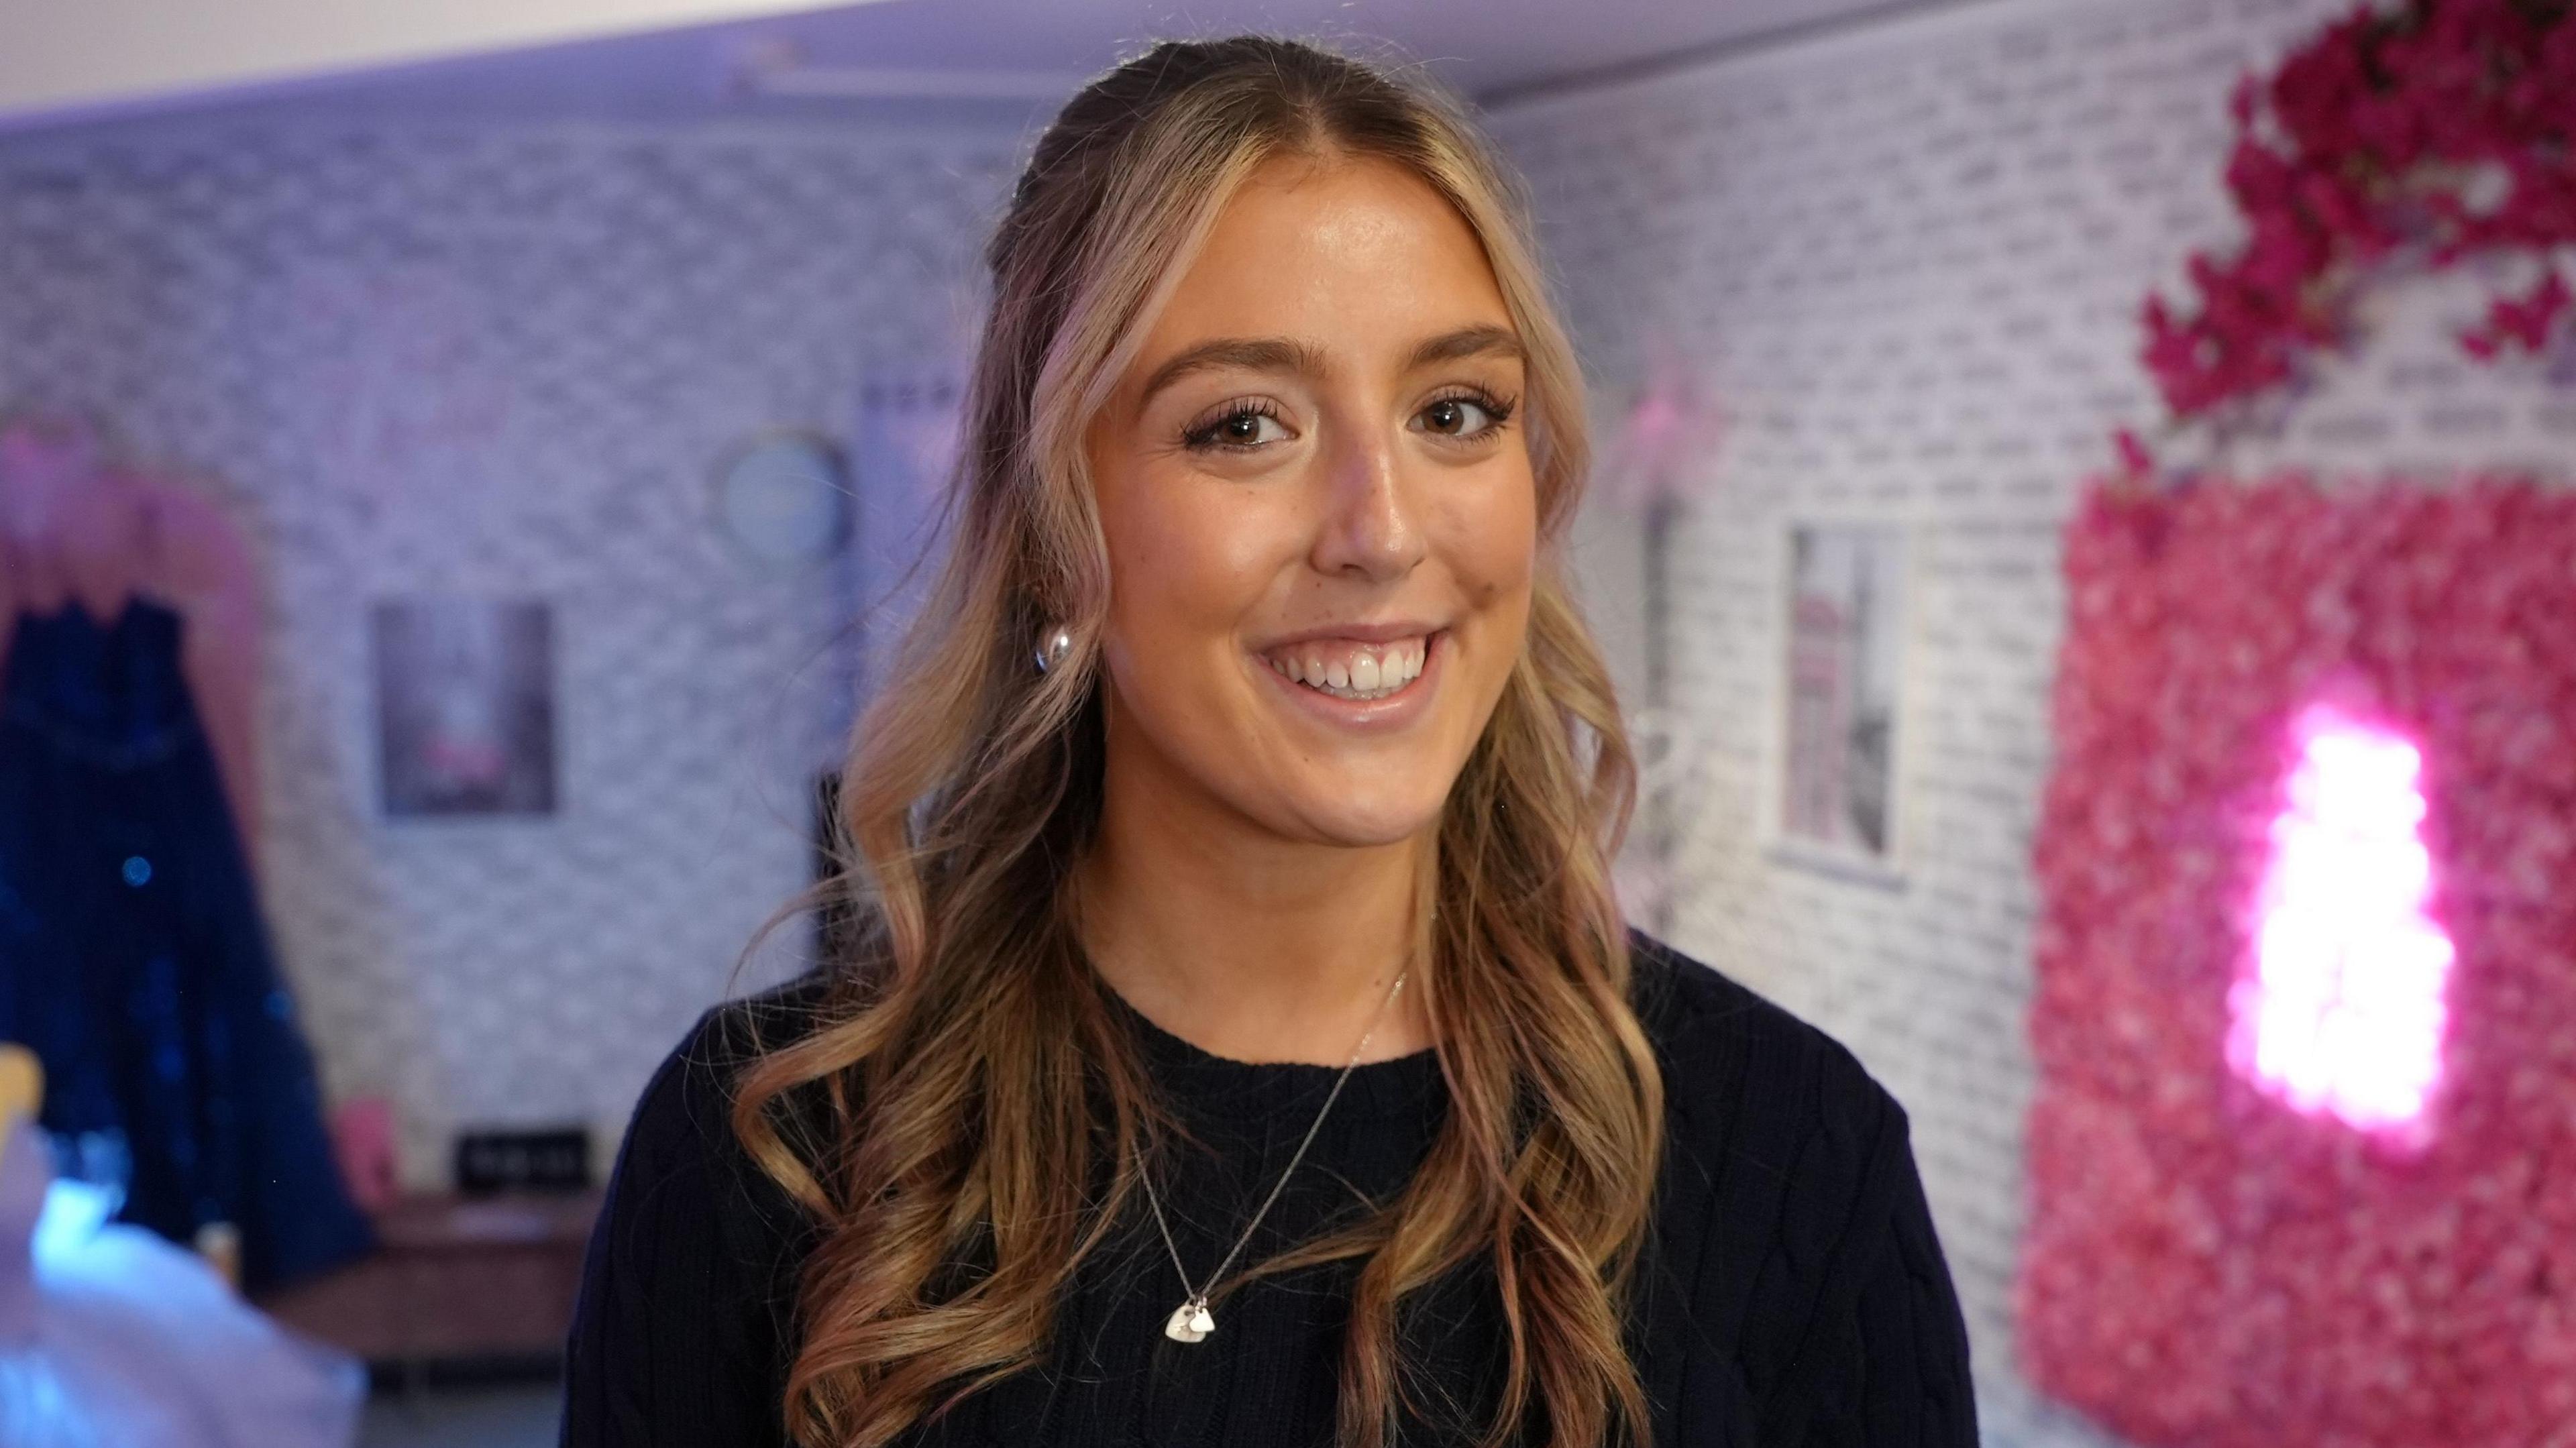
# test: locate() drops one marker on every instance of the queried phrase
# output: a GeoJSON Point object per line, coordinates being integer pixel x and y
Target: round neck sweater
{"type": "Point", "coordinates": [1792, 1289]}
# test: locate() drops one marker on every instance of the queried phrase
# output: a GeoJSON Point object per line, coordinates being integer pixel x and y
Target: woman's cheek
{"type": "Point", "coordinates": [1494, 551]}
{"type": "Point", "coordinates": [1496, 567]}
{"type": "Point", "coordinates": [1187, 571]}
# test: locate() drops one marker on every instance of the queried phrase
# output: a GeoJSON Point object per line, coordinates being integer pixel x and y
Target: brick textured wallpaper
{"type": "Point", "coordinates": [505, 362]}
{"type": "Point", "coordinates": [1907, 260]}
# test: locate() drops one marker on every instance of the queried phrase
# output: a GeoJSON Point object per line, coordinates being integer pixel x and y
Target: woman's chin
{"type": "Point", "coordinates": [1341, 820]}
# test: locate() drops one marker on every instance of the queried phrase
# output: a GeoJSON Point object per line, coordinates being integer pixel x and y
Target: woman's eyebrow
{"type": "Point", "coordinates": [1286, 354]}
{"type": "Point", "coordinates": [1476, 341]}
{"type": "Point", "coordinates": [1253, 354]}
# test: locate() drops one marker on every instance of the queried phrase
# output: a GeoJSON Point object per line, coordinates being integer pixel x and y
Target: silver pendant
{"type": "Point", "coordinates": [1190, 1322]}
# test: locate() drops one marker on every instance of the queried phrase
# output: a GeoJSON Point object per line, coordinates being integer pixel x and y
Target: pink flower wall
{"type": "Point", "coordinates": [2212, 1259]}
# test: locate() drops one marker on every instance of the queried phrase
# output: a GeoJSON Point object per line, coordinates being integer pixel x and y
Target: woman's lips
{"type": "Point", "coordinates": [1416, 661]}
{"type": "Point", "coordinates": [1351, 668]}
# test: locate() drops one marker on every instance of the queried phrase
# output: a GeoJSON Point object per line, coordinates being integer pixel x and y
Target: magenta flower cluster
{"type": "Point", "coordinates": [2204, 1263]}
{"type": "Point", "coordinates": [2430, 132]}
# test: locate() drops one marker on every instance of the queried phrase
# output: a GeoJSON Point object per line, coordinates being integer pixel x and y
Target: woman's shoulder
{"type": "Point", "coordinates": [681, 1153]}
{"type": "Point", "coordinates": [735, 1031]}
{"type": "Point", "coordinates": [1767, 1117]}
{"type": "Point", "coordinates": [1791, 1226]}
{"type": "Point", "coordinates": [1721, 1042]}
{"type": "Point", "coordinates": [686, 1109]}
{"type": "Point", "coordinates": [695, 1255]}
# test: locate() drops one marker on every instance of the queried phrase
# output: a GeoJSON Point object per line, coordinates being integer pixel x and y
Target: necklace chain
{"type": "Point", "coordinates": [1192, 1321]}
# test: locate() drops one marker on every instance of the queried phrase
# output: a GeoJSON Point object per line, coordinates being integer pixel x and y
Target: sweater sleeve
{"type": "Point", "coordinates": [677, 1336]}
{"type": "Point", "coordinates": [1887, 1362]}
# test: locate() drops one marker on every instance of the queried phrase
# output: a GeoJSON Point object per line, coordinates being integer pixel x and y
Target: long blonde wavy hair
{"type": "Point", "coordinates": [951, 1122]}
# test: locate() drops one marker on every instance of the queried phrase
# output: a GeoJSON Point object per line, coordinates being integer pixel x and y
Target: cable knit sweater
{"type": "Point", "coordinates": [1793, 1290]}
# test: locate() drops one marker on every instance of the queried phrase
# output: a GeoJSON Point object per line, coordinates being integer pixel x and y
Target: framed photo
{"type": "Point", "coordinates": [465, 706]}
{"type": "Point", "coordinates": [1842, 692]}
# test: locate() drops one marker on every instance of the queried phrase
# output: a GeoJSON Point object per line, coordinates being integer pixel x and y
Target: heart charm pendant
{"type": "Point", "coordinates": [1190, 1322]}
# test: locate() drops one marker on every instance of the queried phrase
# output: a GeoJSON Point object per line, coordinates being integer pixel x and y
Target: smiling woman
{"type": "Point", "coordinates": [1242, 1042]}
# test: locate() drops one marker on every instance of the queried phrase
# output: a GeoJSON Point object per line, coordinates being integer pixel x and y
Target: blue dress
{"type": "Point", "coordinates": [133, 959]}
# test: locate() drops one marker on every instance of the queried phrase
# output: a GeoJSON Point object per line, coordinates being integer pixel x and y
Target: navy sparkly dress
{"type": "Point", "coordinates": [133, 959]}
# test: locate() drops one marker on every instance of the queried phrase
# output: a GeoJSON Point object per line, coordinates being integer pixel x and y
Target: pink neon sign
{"type": "Point", "coordinates": [2341, 1011]}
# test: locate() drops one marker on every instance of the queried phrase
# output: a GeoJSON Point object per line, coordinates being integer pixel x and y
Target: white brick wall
{"type": "Point", "coordinates": [504, 361]}
{"type": "Point", "coordinates": [1908, 259]}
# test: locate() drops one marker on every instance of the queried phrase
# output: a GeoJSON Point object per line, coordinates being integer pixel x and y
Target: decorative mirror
{"type": "Point", "coordinates": [784, 499]}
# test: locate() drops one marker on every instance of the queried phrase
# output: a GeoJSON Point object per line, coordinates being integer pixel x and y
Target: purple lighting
{"type": "Point", "coordinates": [2341, 1009]}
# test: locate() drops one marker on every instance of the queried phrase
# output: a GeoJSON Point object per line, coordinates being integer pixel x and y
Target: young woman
{"type": "Point", "coordinates": [1240, 1043]}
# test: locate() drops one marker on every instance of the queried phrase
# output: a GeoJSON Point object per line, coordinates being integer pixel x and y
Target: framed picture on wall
{"type": "Point", "coordinates": [1842, 686]}
{"type": "Point", "coordinates": [465, 706]}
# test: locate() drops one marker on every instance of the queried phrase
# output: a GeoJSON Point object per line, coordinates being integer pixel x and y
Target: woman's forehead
{"type": "Point", "coordinates": [1309, 265]}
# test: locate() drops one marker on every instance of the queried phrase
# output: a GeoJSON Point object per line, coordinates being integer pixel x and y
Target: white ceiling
{"type": "Point", "coordinates": [63, 57]}
{"type": "Point", "coordinates": [77, 60]}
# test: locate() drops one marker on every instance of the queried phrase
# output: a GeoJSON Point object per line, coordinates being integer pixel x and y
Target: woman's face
{"type": "Point", "coordinates": [1320, 515]}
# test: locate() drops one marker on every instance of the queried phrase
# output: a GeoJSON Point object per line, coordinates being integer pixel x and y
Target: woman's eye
{"type": "Point", "coordinates": [1464, 417]}
{"type": "Point", "coordinates": [1238, 430]}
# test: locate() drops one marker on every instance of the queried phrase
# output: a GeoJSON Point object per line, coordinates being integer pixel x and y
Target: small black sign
{"type": "Point", "coordinates": [550, 1160]}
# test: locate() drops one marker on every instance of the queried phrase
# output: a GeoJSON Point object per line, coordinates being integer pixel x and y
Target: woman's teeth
{"type": "Point", "coordinates": [1352, 671]}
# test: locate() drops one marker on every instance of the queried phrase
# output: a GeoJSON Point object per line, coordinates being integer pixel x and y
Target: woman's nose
{"type": "Point", "coordinates": [1369, 527]}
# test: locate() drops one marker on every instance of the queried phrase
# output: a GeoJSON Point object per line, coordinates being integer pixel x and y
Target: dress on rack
{"type": "Point", "coordinates": [133, 958]}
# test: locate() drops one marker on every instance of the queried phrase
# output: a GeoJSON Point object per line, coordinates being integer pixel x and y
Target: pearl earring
{"type": "Point", "coordinates": [1057, 644]}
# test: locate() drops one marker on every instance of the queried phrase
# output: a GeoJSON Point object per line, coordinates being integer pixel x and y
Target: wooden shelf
{"type": "Point", "coordinates": [453, 1278]}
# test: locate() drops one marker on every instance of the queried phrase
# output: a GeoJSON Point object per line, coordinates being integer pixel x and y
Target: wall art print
{"type": "Point", "coordinates": [1842, 687]}
{"type": "Point", "coordinates": [2302, 1168]}
{"type": "Point", "coordinates": [465, 706]}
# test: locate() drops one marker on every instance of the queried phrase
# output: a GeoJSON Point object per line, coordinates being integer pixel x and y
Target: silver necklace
{"type": "Point", "coordinates": [1191, 1321]}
